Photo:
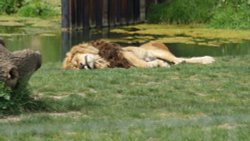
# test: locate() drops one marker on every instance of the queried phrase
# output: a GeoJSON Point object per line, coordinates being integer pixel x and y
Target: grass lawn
{"type": "Point", "coordinates": [185, 102]}
{"type": "Point", "coordinates": [182, 103]}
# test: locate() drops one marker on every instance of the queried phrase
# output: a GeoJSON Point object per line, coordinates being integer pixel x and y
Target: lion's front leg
{"type": "Point", "coordinates": [158, 63]}
{"type": "Point", "coordinates": [136, 61]}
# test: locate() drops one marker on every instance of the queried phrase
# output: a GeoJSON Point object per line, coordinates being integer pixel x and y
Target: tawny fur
{"type": "Point", "coordinates": [104, 54]}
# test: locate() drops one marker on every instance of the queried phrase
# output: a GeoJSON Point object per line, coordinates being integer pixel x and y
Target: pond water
{"type": "Point", "coordinates": [53, 45]}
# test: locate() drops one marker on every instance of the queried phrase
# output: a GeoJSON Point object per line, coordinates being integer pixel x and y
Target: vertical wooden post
{"type": "Point", "coordinates": [80, 12]}
{"type": "Point", "coordinates": [85, 15]}
{"type": "Point", "coordinates": [118, 9]}
{"type": "Point", "coordinates": [111, 20]}
{"type": "Point", "coordinates": [123, 11]}
{"type": "Point", "coordinates": [130, 12]}
{"type": "Point", "coordinates": [98, 13]}
{"type": "Point", "coordinates": [73, 14]}
{"type": "Point", "coordinates": [65, 15]}
{"type": "Point", "coordinates": [137, 11]}
{"type": "Point", "coordinates": [142, 10]}
{"type": "Point", "coordinates": [92, 15]}
{"type": "Point", "coordinates": [105, 13]}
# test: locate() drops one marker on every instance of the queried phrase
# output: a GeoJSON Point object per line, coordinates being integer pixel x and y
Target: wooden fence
{"type": "Point", "coordinates": [78, 16]}
{"type": "Point", "coordinates": [81, 14]}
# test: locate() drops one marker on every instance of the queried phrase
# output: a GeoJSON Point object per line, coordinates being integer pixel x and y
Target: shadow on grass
{"type": "Point", "coordinates": [19, 100]}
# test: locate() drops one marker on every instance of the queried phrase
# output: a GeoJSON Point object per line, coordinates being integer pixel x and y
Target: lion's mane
{"type": "Point", "coordinates": [112, 53]}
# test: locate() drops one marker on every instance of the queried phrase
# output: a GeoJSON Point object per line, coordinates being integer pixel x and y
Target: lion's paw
{"type": "Point", "coordinates": [163, 64]}
{"type": "Point", "coordinates": [179, 61]}
{"type": "Point", "coordinates": [207, 60]}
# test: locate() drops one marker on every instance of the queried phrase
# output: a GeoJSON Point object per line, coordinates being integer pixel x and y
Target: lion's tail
{"type": "Point", "coordinates": [197, 60]}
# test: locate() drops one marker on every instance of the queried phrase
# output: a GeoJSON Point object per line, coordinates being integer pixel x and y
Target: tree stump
{"type": "Point", "coordinates": [17, 67]}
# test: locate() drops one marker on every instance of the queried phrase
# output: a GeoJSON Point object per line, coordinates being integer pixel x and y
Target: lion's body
{"type": "Point", "coordinates": [103, 54]}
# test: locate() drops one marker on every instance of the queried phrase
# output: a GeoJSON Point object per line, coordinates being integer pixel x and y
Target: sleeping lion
{"type": "Point", "coordinates": [103, 54]}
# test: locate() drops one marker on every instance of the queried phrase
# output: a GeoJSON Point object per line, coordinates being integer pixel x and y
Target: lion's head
{"type": "Point", "coordinates": [84, 56]}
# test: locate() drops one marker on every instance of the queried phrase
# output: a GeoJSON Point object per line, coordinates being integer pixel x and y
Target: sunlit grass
{"type": "Point", "coordinates": [185, 102]}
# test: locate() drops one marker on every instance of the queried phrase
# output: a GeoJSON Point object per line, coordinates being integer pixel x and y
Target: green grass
{"type": "Point", "coordinates": [39, 9]}
{"type": "Point", "coordinates": [182, 11]}
{"type": "Point", "coordinates": [185, 102]}
{"type": "Point", "coordinates": [231, 16]}
{"type": "Point", "coordinates": [31, 8]}
{"type": "Point", "coordinates": [228, 14]}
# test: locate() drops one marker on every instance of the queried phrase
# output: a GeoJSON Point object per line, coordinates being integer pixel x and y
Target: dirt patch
{"type": "Point", "coordinates": [10, 119]}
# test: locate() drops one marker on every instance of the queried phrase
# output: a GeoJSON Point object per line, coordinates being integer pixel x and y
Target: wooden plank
{"type": "Point", "coordinates": [98, 8]}
{"type": "Point", "coordinates": [124, 6]}
{"type": "Point", "coordinates": [86, 13]}
{"type": "Point", "coordinates": [79, 10]}
{"type": "Point", "coordinates": [79, 14]}
{"type": "Point", "coordinates": [65, 23]}
{"type": "Point", "coordinates": [137, 11]}
{"type": "Point", "coordinates": [92, 16]}
{"type": "Point", "coordinates": [142, 10]}
{"type": "Point", "coordinates": [129, 12]}
{"type": "Point", "coordinates": [105, 13]}
{"type": "Point", "coordinates": [112, 12]}
{"type": "Point", "coordinates": [118, 9]}
{"type": "Point", "coordinates": [72, 13]}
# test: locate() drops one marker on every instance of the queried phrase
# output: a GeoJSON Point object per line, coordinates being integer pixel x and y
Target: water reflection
{"type": "Point", "coordinates": [231, 49]}
{"type": "Point", "coordinates": [73, 38]}
{"type": "Point", "coordinates": [54, 45]}
{"type": "Point", "coordinates": [10, 29]}
{"type": "Point", "coordinates": [180, 49]}
{"type": "Point", "coordinates": [48, 45]}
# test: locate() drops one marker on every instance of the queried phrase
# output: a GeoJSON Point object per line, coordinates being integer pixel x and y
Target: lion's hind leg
{"type": "Point", "coordinates": [161, 51]}
{"type": "Point", "coordinates": [199, 60]}
{"type": "Point", "coordinates": [138, 62]}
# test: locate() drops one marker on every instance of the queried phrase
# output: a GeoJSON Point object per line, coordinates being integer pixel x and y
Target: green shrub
{"type": "Point", "coordinates": [232, 15]}
{"type": "Point", "coordinates": [5, 94]}
{"type": "Point", "coordinates": [37, 8]}
{"type": "Point", "coordinates": [10, 6]}
{"type": "Point", "coordinates": [17, 101]}
{"type": "Point", "coordinates": [219, 14]}
{"type": "Point", "coordinates": [182, 11]}
{"type": "Point", "coordinates": [155, 13]}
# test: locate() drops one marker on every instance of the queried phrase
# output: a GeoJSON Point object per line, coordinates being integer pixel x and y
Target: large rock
{"type": "Point", "coordinates": [17, 67]}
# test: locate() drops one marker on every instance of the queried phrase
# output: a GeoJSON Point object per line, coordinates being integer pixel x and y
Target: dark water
{"type": "Point", "coordinates": [54, 45]}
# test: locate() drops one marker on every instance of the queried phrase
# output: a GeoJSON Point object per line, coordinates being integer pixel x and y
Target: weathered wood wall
{"type": "Point", "coordinates": [81, 14]}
